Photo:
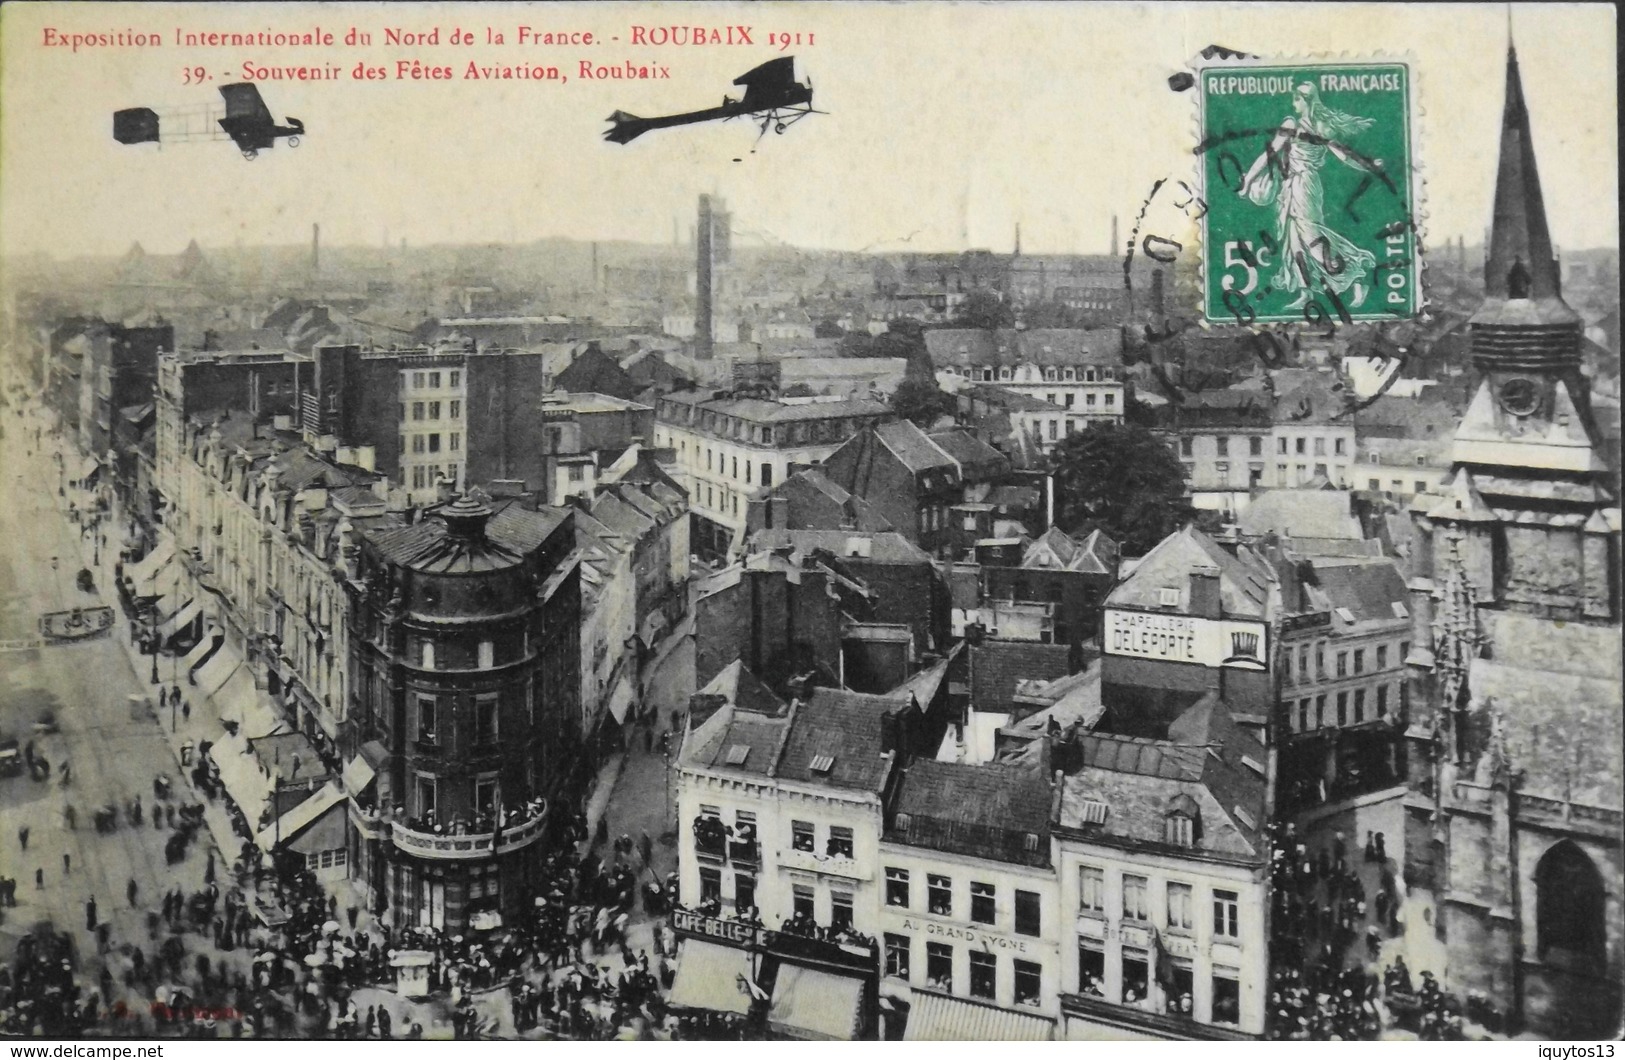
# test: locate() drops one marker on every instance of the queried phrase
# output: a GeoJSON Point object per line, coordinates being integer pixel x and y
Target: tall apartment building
{"type": "Point", "coordinates": [1238, 440]}
{"type": "Point", "coordinates": [1344, 701]}
{"type": "Point", "coordinates": [426, 420]}
{"type": "Point", "coordinates": [1071, 368]}
{"type": "Point", "coordinates": [731, 450]}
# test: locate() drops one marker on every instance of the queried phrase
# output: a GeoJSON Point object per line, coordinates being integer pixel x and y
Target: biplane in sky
{"type": "Point", "coordinates": [773, 97]}
{"type": "Point", "coordinates": [244, 120]}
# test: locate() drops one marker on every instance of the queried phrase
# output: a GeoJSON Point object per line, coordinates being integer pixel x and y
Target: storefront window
{"type": "Point", "coordinates": [1091, 969]}
{"type": "Point", "coordinates": [1226, 995]}
{"type": "Point", "coordinates": [1029, 983]}
{"type": "Point", "coordinates": [983, 975]}
{"type": "Point", "coordinates": [897, 954]}
{"type": "Point", "coordinates": [1136, 979]}
{"type": "Point", "coordinates": [939, 966]}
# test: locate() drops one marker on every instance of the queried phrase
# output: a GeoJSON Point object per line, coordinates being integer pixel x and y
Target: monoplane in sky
{"type": "Point", "coordinates": [773, 97]}
{"type": "Point", "coordinates": [244, 120]}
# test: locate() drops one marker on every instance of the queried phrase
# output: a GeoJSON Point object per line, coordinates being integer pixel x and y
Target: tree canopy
{"type": "Point", "coordinates": [1124, 479]}
{"type": "Point", "coordinates": [983, 308]}
{"type": "Point", "coordinates": [924, 403]}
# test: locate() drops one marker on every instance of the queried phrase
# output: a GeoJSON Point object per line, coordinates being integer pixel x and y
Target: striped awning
{"type": "Point", "coordinates": [708, 978]}
{"type": "Point", "coordinates": [813, 1005]}
{"type": "Point", "coordinates": [142, 571]}
{"type": "Point", "coordinates": [185, 616]}
{"type": "Point", "coordinates": [940, 1018]}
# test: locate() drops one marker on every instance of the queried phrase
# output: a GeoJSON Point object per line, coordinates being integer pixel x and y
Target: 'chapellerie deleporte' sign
{"type": "Point", "coordinates": [1186, 639]}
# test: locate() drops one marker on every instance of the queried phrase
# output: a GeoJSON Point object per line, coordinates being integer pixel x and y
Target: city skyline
{"type": "Point", "coordinates": [983, 132]}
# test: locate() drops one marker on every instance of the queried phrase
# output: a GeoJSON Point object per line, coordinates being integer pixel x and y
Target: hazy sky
{"type": "Point", "coordinates": [948, 123]}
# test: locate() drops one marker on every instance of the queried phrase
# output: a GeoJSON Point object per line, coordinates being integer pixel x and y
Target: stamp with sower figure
{"type": "Point", "coordinates": [1308, 177]}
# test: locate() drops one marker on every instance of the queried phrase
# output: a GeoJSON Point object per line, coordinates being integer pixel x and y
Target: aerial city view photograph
{"type": "Point", "coordinates": [809, 522]}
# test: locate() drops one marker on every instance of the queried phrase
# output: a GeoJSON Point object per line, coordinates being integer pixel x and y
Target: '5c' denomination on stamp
{"type": "Point", "coordinates": [1309, 183]}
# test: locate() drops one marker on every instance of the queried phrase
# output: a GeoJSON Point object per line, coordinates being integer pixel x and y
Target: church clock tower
{"type": "Point", "coordinates": [1528, 450]}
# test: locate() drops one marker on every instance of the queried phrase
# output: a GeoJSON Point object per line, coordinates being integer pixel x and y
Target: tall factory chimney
{"type": "Point", "coordinates": [1115, 248]}
{"type": "Point", "coordinates": [315, 251]}
{"type": "Point", "coordinates": [595, 265]}
{"type": "Point", "coordinates": [704, 296]}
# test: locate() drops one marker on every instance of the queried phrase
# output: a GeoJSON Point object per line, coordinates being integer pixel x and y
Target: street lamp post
{"type": "Point", "coordinates": [56, 576]}
{"type": "Point", "coordinates": [152, 643]}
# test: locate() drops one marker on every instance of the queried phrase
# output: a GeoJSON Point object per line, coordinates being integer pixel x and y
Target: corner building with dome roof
{"type": "Point", "coordinates": [467, 687]}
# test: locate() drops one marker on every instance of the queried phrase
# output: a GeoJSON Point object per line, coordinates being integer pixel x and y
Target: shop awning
{"type": "Point", "coordinates": [239, 701]}
{"type": "Point", "coordinates": [87, 468]}
{"type": "Point", "coordinates": [165, 586]}
{"type": "Point", "coordinates": [653, 626]}
{"type": "Point", "coordinates": [708, 978]}
{"type": "Point", "coordinates": [200, 652]}
{"type": "Point", "coordinates": [811, 1004]}
{"type": "Point", "coordinates": [142, 571]}
{"type": "Point", "coordinates": [620, 698]}
{"type": "Point", "coordinates": [214, 673]}
{"type": "Point", "coordinates": [188, 613]}
{"type": "Point", "coordinates": [938, 1018]}
{"type": "Point", "coordinates": [248, 787]}
{"type": "Point", "coordinates": [299, 818]}
{"type": "Point", "coordinates": [358, 773]}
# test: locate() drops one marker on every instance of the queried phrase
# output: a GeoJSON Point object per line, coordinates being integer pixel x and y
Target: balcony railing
{"type": "Point", "coordinates": [810, 861]}
{"type": "Point", "coordinates": [453, 847]}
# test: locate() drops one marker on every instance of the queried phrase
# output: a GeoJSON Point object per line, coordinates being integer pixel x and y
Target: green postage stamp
{"type": "Point", "coordinates": [1309, 179]}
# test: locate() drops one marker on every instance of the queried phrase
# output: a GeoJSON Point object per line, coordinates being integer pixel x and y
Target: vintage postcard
{"type": "Point", "coordinates": [572, 522]}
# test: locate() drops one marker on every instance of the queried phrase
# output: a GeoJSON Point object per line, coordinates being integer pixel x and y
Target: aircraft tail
{"type": "Point", "coordinates": [627, 127]}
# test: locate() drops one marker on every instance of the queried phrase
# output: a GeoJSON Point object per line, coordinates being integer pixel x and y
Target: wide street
{"type": "Point", "coordinates": [112, 751]}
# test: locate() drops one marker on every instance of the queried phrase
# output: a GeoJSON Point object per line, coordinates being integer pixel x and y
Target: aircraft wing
{"type": "Point", "coordinates": [771, 81]}
{"type": "Point", "coordinates": [137, 125]}
{"type": "Point", "coordinates": [244, 102]}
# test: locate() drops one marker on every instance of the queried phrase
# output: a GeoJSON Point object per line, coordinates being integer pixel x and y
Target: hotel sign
{"type": "Point", "coordinates": [1186, 639]}
{"type": "Point", "coordinates": [986, 940]}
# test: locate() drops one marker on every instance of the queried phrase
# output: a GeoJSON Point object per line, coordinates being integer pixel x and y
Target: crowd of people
{"type": "Point", "coordinates": [1326, 941]}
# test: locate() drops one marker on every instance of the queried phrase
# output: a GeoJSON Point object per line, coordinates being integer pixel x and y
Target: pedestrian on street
{"type": "Point", "coordinates": [646, 847]}
{"type": "Point", "coordinates": [186, 710]}
{"type": "Point", "coordinates": [67, 863]}
{"type": "Point", "coordinates": [131, 891]}
{"type": "Point", "coordinates": [39, 879]}
{"type": "Point", "coordinates": [383, 1022]}
{"type": "Point", "coordinates": [354, 913]}
{"type": "Point", "coordinates": [175, 693]}
{"type": "Point", "coordinates": [90, 913]}
{"type": "Point", "coordinates": [73, 818]}
{"type": "Point", "coordinates": [22, 835]}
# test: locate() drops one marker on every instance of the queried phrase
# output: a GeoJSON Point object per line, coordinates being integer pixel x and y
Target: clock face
{"type": "Point", "coordinates": [1520, 396]}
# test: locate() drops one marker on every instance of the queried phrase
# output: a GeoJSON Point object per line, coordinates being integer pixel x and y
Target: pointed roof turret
{"type": "Point", "coordinates": [1524, 324]}
{"type": "Point", "coordinates": [1520, 261]}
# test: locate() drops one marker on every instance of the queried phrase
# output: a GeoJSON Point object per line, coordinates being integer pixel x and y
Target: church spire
{"type": "Point", "coordinates": [1520, 263]}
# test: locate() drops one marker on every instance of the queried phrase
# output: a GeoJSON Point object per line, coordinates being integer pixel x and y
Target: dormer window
{"type": "Point", "coordinates": [1182, 823]}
